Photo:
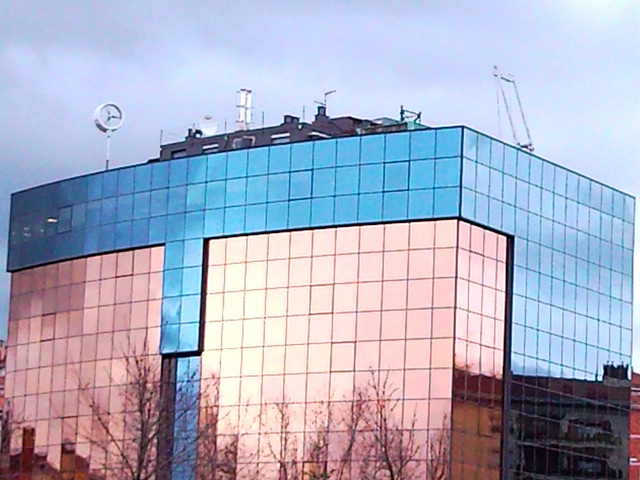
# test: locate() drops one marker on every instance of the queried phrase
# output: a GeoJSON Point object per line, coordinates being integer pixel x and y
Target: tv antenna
{"type": "Point", "coordinates": [108, 118]}
{"type": "Point", "coordinates": [324, 101]}
{"type": "Point", "coordinates": [509, 79]}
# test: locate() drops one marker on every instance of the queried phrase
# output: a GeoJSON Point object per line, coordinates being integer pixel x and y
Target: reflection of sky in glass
{"type": "Point", "coordinates": [307, 316]}
{"type": "Point", "coordinates": [73, 323]}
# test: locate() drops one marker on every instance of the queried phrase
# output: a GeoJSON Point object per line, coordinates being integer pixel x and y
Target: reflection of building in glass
{"type": "Point", "coordinates": [381, 300]}
{"type": "Point", "coordinates": [634, 428]}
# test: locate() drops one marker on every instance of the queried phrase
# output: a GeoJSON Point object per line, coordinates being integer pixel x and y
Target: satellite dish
{"type": "Point", "coordinates": [208, 126]}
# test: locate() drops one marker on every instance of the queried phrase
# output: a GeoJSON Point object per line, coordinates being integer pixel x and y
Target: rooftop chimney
{"type": "Point", "coordinates": [322, 112]}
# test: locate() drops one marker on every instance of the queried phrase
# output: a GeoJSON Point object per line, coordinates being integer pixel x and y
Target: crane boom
{"type": "Point", "coordinates": [510, 79]}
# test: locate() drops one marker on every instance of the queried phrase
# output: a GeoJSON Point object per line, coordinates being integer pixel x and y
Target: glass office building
{"type": "Point", "coordinates": [476, 296]}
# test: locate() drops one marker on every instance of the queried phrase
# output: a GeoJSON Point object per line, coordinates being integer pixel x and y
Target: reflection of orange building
{"type": "Point", "coordinates": [28, 464]}
{"type": "Point", "coordinates": [634, 429]}
{"type": "Point", "coordinates": [477, 426]}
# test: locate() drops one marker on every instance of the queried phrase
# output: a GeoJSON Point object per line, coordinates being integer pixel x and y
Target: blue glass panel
{"type": "Point", "coordinates": [234, 220]}
{"type": "Point", "coordinates": [194, 224]}
{"type": "Point", "coordinates": [93, 214]}
{"type": "Point", "coordinates": [159, 202]}
{"type": "Point", "coordinates": [237, 164]}
{"type": "Point", "coordinates": [446, 202]}
{"type": "Point", "coordinates": [175, 227]}
{"type": "Point", "coordinates": [256, 218]}
{"type": "Point", "coordinates": [509, 190]}
{"type": "Point", "coordinates": [372, 149]}
{"type": "Point", "coordinates": [420, 203]}
{"type": "Point", "coordinates": [395, 205]}
{"type": "Point", "coordinates": [258, 161]}
{"type": "Point", "coordinates": [422, 174]}
{"type": "Point", "coordinates": [140, 233]}
{"type": "Point", "coordinates": [278, 188]}
{"type": "Point", "coordinates": [299, 213]}
{"type": "Point", "coordinates": [173, 255]}
{"type": "Point", "coordinates": [510, 160]}
{"type": "Point", "coordinates": [496, 160]}
{"type": "Point", "coordinates": [110, 183]}
{"type": "Point", "coordinates": [171, 308]}
{"type": "Point", "coordinates": [178, 172]}
{"type": "Point", "coordinates": [397, 147]}
{"type": "Point", "coordinates": [215, 194]}
{"type": "Point", "coordinates": [348, 151]}
{"type": "Point", "coordinates": [324, 153]}
{"type": "Point", "coordinates": [189, 342]}
{"type": "Point", "coordinates": [484, 150]}
{"type": "Point", "coordinates": [346, 209]}
{"type": "Point", "coordinates": [371, 178]}
{"type": "Point", "coordinates": [107, 240]}
{"type": "Point", "coordinates": [370, 207]}
{"type": "Point", "coordinates": [193, 253]}
{"type": "Point", "coordinates": [108, 211]}
{"type": "Point", "coordinates": [535, 171]}
{"type": "Point", "coordinates": [217, 167]}
{"type": "Point", "coordinates": [322, 211]}
{"type": "Point", "coordinates": [91, 241]}
{"type": "Point", "coordinates": [170, 333]}
{"type": "Point", "coordinates": [192, 281]}
{"type": "Point", "coordinates": [236, 192]}
{"type": "Point", "coordinates": [483, 175]}
{"type": "Point", "coordinates": [423, 144]}
{"type": "Point", "coordinates": [177, 199]}
{"type": "Point", "coordinates": [124, 208]}
{"type": "Point", "coordinates": [447, 173]}
{"type": "Point", "coordinates": [125, 181]}
{"type": "Point", "coordinates": [280, 159]}
{"type": "Point", "coordinates": [277, 215]}
{"type": "Point", "coordinates": [449, 142]}
{"type": "Point", "coordinates": [301, 185]}
{"type": "Point", "coordinates": [396, 176]}
{"type": "Point", "coordinates": [197, 170]}
{"type": "Point", "coordinates": [347, 180]}
{"type": "Point", "coordinates": [78, 215]}
{"type": "Point", "coordinates": [160, 175]}
{"type": "Point", "coordinates": [257, 189]}
{"type": "Point", "coordinates": [468, 207]}
{"type": "Point", "coordinates": [196, 197]}
{"type": "Point", "coordinates": [64, 219]}
{"type": "Point", "coordinates": [123, 235]}
{"type": "Point", "coordinates": [94, 184]}
{"type": "Point", "coordinates": [157, 229]}
{"type": "Point", "coordinates": [142, 178]}
{"type": "Point", "coordinates": [142, 205]}
{"type": "Point", "coordinates": [323, 182]}
{"type": "Point", "coordinates": [301, 156]}
{"type": "Point", "coordinates": [470, 147]}
{"type": "Point", "coordinates": [172, 283]}
{"type": "Point", "coordinates": [214, 222]}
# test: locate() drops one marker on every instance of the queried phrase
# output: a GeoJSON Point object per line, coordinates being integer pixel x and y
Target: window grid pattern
{"type": "Point", "coordinates": [71, 324]}
{"type": "Point", "coordinates": [306, 318]}
{"type": "Point", "coordinates": [572, 302]}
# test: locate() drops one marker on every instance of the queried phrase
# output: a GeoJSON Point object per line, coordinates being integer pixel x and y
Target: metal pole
{"type": "Point", "coordinates": [108, 149]}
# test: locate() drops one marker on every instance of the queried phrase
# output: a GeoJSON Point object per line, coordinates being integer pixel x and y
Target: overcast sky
{"type": "Point", "coordinates": [577, 64]}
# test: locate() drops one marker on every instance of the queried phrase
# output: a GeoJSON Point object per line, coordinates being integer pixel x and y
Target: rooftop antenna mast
{"type": "Point", "coordinates": [509, 79]}
{"type": "Point", "coordinates": [324, 101]}
{"type": "Point", "coordinates": [245, 109]}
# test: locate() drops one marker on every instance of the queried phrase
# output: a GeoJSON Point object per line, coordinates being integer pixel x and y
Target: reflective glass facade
{"type": "Point", "coordinates": [529, 297]}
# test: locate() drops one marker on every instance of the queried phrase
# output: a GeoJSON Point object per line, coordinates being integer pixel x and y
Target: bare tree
{"type": "Point", "coordinates": [393, 444]}
{"type": "Point", "coordinates": [282, 445]}
{"type": "Point", "coordinates": [135, 440]}
{"type": "Point", "coordinates": [439, 452]}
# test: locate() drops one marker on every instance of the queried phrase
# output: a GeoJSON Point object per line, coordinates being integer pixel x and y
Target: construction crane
{"type": "Point", "coordinates": [509, 79]}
